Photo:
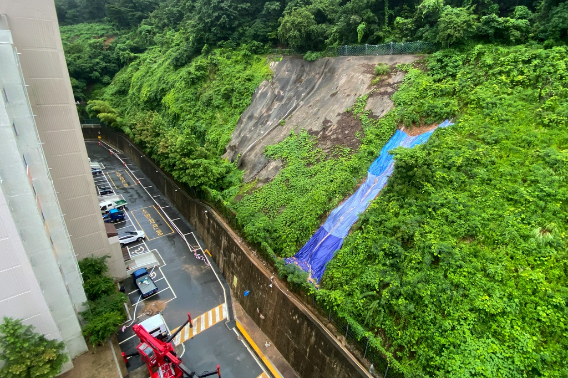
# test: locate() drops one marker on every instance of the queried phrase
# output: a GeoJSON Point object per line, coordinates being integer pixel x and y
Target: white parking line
{"type": "Point", "coordinates": [125, 340]}
{"type": "Point", "coordinates": [155, 294]}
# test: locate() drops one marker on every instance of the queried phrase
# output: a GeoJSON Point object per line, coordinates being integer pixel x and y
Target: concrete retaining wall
{"type": "Point", "coordinates": [305, 343]}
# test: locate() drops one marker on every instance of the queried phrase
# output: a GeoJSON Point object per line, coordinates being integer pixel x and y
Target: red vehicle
{"type": "Point", "coordinates": [160, 356]}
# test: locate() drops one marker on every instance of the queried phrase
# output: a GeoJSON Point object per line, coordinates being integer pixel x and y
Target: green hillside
{"type": "Point", "coordinates": [458, 268]}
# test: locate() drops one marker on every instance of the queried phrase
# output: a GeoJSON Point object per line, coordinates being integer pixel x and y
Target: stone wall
{"type": "Point", "coordinates": [305, 343]}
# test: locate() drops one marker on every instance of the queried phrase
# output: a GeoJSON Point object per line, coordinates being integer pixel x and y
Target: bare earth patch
{"type": "Point", "coordinates": [419, 129]}
{"type": "Point", "coordinates": [96, 363]}
{"type": "Point", "coordinates": [343, 133]}
{"type": "Point", "coordinates": [108, 40]}
{"type": "Point", "coordinates": [152, 308]}
{"type": "Point", "coordinates": [312, 96]}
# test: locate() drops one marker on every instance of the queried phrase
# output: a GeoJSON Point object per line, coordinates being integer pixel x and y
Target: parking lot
{"type": "Point", "coordinates": [186, 283]}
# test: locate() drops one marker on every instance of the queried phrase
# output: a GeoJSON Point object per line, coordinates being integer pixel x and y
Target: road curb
{"type": "Point", "coordinates": [273, 371]}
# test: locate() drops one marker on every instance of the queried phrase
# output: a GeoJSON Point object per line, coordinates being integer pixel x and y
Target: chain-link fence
{"type": "Point", "coordinates": [391, 48]}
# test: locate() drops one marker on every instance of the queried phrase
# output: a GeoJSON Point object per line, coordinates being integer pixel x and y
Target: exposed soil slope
{"type": "Point", "coordinates": [306, 95]}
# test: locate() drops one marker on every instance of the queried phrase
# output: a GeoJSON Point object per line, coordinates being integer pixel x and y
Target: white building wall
{"type": "Point", "coordinates": [35, 31]}
{"type": "Point", "coordinates": [38, 270]}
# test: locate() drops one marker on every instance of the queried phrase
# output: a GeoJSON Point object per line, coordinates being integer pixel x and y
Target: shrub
{"type": "Point", "coordinates": [382, 69]}
{"type": "Point", "coordinates": [93, 267]}
{"type": "Point", "coordinates": [98, 287]}
{"type": "Point", "coordinates": [102, 327]}
{"type": "Point", "coordinates": [105, 305]}
{"type": "Point", "coordinates": [27, 353]}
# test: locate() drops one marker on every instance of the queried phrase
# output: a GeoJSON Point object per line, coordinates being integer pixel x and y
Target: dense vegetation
{"type": "Point", "coordinates": [458, 269]}
{"type": "Point", "coordinates": [121, 30]}
{"type": "Point", "coordinates": [105, 305]}
{"type": "Point", "coordinates": [184, 117]}
{"type": "Point", "coordinates": [27, 354]}
{"type": "Point", "coordinates": [460, 264]}
{"type": "Point", "coordinates": [284, 213]}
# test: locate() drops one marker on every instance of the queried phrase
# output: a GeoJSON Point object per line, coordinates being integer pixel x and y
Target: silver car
{"type": "Point", "coordinates": [128, 237]}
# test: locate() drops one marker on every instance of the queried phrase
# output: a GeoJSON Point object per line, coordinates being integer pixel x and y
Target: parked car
{"type": "Point", "coordinates": [104, 190]}
{"type": "Point", "coordinates": [96, 171]}
{"type": "Point", "coordinates": [128, 237]}
{"type": "Point", "coordinates": [112, 203]}
{"type": "Point", "coordinates": [144, 283]}
{"type": "Point", "coordinates": [113, 216]}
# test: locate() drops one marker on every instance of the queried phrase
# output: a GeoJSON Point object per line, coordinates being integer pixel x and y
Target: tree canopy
{"type": "Point", "coordinates": [458, 268]}
{"type": "Point", "coordinates": [28, 354]}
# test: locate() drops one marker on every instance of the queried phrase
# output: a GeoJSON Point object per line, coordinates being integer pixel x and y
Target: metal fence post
{"type": "Point", "coordinates": [365, 49]}
{"type": "Point", "coordinates": [391, 48]}
{"type": "Point", "coordinates": [386, 371]}
{"type": "Point", "coordinates": [347, 331]}
{"type": "Point", "coordinates": [329, 316]}
{"type": "Point", "coordinates": [366, 346]}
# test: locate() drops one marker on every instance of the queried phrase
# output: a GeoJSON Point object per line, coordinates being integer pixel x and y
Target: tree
{"type": "Point", "coordinates": [105, 310]}
{"type": "Point", "coordinates": [297, 29]}
{"type": "Point", "coordinates": [455, 25]}
{"type": "Point", "coordinates": [28, 354]}
{"type": "Point", "coordinates": [107, 115]}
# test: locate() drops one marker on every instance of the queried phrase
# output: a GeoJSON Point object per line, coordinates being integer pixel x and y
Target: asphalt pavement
{"type": "Point", "coordinates": [186, 283]}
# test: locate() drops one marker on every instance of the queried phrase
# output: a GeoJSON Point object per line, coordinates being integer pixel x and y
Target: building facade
{"type": "Point", "coordinates": [49, 212]}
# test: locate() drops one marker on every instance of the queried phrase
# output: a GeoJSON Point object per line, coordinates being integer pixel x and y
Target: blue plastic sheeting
{"type": "Point", "coordinates": [314, 256]}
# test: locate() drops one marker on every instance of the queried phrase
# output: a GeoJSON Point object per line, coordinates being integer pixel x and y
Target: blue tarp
{"type": "Point", "coordinates": [314, 256]}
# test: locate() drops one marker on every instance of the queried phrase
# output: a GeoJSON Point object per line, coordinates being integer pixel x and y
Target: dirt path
{"type": "Point", "coordinates": [97, 363]}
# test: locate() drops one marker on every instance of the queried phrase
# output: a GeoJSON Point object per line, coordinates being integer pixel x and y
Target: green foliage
{"type": "Point", "coordinates": [459, 266]}
{"type": "Point", "coordinates": [184, 117]}
{"type": "Point", "coordinates": [90, 55]}
{"type": "Point", "coordinates": [122, 13]}
{"type": "Point", "coordinates": [98, 287]}
{"type": "Point", "coordinates": [103, 111]}
{"type": "Point", "coordinates": [28, 354]}
{"type": "Point", "coordinates": [455, 25]}
{"type": "Point", "coordinates": [361, 31]}
{"type": "Point", "coordinates": [93, 267]}
{"type": "Point", "coordinates": [284, 213]}
{"type": "Point", "coordinates": [298, 29]}
{"type": "Point", "coordinates": [296, 277]}
{"type": "Point", "coordinates": [382, 69]}
{"type": "Point", "coordinates": [100, 328]}
{"type": "Point", "coordinates": [105, 306]}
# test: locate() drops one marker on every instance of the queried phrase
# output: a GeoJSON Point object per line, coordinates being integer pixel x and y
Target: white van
{"type": "Point", "coordinates": [113, 203]}
{"type": "Point", "coordinates": [94, 164]}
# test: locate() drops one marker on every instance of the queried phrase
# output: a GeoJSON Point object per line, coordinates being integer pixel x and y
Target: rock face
{"type": "Point", "coordinates": [306, 95]}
